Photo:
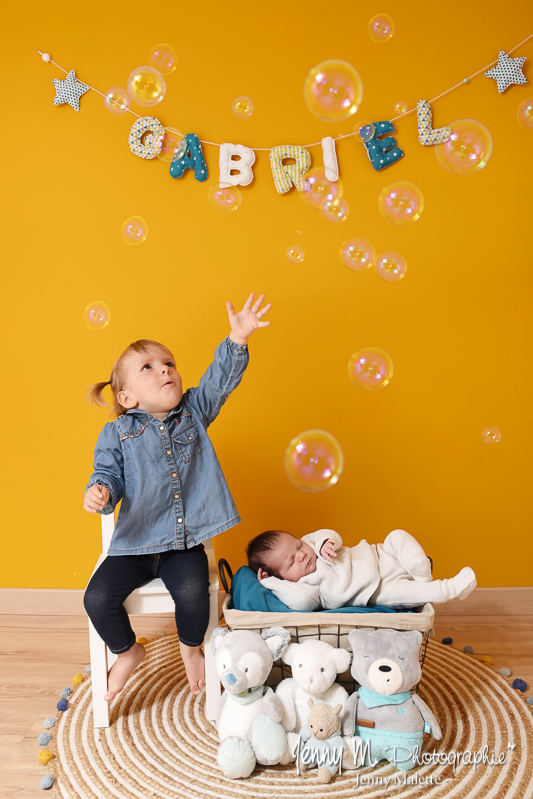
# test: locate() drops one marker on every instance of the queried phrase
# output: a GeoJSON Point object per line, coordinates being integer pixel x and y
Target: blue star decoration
{"type": "Point", "coordinates": [69, 90]}
{"type": "Point", "coordinates": [508, 70]}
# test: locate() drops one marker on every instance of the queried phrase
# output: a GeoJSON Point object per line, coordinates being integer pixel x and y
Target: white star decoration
{"type": "Point", "coordinates": [508, 70]}
{"type": "Point", "coordinates": [69, 90]}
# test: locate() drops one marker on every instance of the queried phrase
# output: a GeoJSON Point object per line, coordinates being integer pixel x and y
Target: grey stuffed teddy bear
{"type": "Point", "coordinates": [324, 746]}
{"type": "Point", "coordinates": [249, 717]}
{"type": "Point", "coordinates": [386, 666]}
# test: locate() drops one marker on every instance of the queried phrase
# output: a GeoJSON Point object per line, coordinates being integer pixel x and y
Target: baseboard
{"type": "Point", "coordinates": [516, 601]}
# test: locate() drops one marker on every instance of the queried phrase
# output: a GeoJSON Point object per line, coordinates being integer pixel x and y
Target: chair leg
{"type": "Point", "coordinates": [212, 683]}
{"type": "Point", "coordinates": [100, 664]}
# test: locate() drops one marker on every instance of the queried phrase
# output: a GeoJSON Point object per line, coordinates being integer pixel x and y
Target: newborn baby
{"type": "Point", "coordinates": [317, 571]}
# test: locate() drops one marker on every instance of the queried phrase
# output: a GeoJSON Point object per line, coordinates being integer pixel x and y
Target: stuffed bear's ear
{"type": "Point", "coordinates": [217, 635]}
{"type": "Point", "coordinates": [277, 639]}
{"type": "Point", "coordinates": [342, 660]}
{"type": "Point", "coordinates": [357, 637]}
{"type": "Point", "coordinates": [310, 703]}
{"type": "Point", "coordinates": [337, 709]}
{"type": "Point", "coordinates": [290, 654]}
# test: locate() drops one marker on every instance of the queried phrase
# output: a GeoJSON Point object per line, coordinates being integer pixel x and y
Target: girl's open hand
{"type": "Point", "coordinates": [248, 319]}
{"type": "Point", "coordinates": [96, 498]}
{"type": "Point", "coordinates": [327, 550]}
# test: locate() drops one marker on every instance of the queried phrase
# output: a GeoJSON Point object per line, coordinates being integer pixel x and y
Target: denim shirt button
{"type": "Point", "coordinates": [174, 474]}
{"type": "Point", "coordinates": [176, 496]}
{"type": "Point", "coordinates": [180, 520]}
{"type": "Point", "coordinates": [162, 427]}
{"type": "Point", "coordinates": [169, 452]}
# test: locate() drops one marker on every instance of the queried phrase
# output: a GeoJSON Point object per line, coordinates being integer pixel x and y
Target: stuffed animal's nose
{"type": "Point", "coordinates": [231, 679]}
{"type": "Point", "coordinates": [385, 668]}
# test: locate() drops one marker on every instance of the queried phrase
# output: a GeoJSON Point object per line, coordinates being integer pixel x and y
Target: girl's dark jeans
{"type": "Point", "coordinates": [185, 573]}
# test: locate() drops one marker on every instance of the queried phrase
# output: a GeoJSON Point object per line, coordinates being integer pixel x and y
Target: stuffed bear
{"type": "Point", "coordinates": [248, 720]}
{"type": "Point", "coordinates": [324, 746]}
{"type": "Point", "coordinates": [315, 665]}
{"type": "Point", "coordinates": [386, 666]}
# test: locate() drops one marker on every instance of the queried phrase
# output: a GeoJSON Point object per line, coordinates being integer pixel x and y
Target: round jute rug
{"type": "Point", "coordinates": [160, 744]}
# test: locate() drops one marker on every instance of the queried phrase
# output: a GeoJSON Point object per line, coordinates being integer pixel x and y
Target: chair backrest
{"type": "Point", "coordinates": [108, 525]}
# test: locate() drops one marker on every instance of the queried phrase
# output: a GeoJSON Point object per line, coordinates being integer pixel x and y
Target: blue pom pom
{"type": "Point", "coordinates": [49, 722]}
{"type": "Point", "coordinates": [66, 692]}
{"type": "Point", "coordinates": [44, 739]}
{"type": "Point", "coordinates": [62, 704]}
{"type": "Point", "coordinates": [469, 650]}
{"type": "Point", "coordinates": [520, 684]}
{"type": "Point", "coordinates": [447, 641]}
{"type": "Point", "coordinates": [46, 782]}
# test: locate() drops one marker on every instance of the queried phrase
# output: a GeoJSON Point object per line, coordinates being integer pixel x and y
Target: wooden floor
{"type": "Point", "coordinates": [40, 655]}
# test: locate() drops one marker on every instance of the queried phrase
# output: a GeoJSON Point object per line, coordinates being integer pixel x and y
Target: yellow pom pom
{"type": "Point", "coordinates": [487, 659]}
{"type": "Point", "coordinates": [77, 679]}
{"type": "Point", "coordinates": [44, 756]}
{"type": "Point", "coordinates": [142, 640]}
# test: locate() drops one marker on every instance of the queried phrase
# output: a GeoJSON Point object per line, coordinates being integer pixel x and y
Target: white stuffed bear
{"type": "Point", "coordinates": [315, 665]}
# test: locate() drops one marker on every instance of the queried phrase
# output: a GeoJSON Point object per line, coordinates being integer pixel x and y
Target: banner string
{"type": "Point", "coordinates": [336, 138]}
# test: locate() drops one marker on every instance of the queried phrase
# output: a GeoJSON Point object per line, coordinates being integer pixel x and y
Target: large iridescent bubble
{"type": "Point", "coordinates": [314, 460]}
{"type": "Point", "coordinates": [467, 150]}
{"type": "Point", "coordinates": [117, 100]}
{"type": "Point", "coordinates": [333, 90]}
{"type": "Point", "coordinates": [370, 368]}
{"type": "Point", "coordinates": [164, 58]}
{"type": "Point", "coordinates": [401, 203]}
{"type": "Point", "coordinates": [524, 114]}
{"type": "Point", "coordinates": [146, 86]}
{"type": "Point", "coordinates": [319, 188]}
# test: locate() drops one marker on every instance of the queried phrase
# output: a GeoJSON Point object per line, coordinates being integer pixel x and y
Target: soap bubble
{"type": "Point", "coordinates": [242, 107]}
{"type": "Point", "coordinates": [333, 91]}
{"type": "Point", "coordinates": [146, 86]}
{"type": "Point", "coordinates": [364, 130]}
{"type": "Point", "coordinates": [400, 107]}
{"type": "Point", "coordinates": [467, 150]}
{"type": "Point", "coordinates": [524, 114]}
{"type": "Point", "coordinates": [134, 230]}
{"type": "Point", "coordinates": [335, 211]}
{"type": "Point", "coordinates": [295, 254]}
{"type": "Point", "coordinates": [401, 203]}
{"type": "Point", "coordinates": [96, 315]}
{"type": "Point", "coordinates": [117, 100]}
{"type": "Point", "coordinates": [390, 266]}
{"type": "Point", "coordinates": [381, 28]}
{"type": "Point", "coordinates": [225, 198]}
{"type": "Point", "coordinates": [370, 368]}
{"type": "Point", "coordinates": [319, 188]}
{"type": "Point", "coordinates": [164, 58]}
{"type": "Point", "coordinates": [491, 435]}
{"type": "Point", "coordinates": [357, 254]}
{"type": "Point", "coordinates": [170, 144]}
{"type": "Point", "coordinates": [314, 460]}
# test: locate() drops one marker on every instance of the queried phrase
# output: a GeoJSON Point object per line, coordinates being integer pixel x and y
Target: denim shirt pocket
{"type": "Point", "coordinates": [137, 430]}
{"type": "Point", "coordinates": [188, 442]}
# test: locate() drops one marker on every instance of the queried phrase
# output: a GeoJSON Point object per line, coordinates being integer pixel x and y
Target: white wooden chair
{"type": "Point", "coordinates": [151, 597]}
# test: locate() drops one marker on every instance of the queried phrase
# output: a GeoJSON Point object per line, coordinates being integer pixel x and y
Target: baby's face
{"type": "Point", "coordinates": [292, 558]}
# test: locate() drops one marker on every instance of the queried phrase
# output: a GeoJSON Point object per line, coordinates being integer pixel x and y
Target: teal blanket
{"type": "Point", "coordinates": [247, 593]}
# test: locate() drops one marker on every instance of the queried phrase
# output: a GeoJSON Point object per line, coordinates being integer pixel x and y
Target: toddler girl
{"type": "Point", "coordinates": [318, 571]}
{"type": "Point", "coordinates": [157, 458]}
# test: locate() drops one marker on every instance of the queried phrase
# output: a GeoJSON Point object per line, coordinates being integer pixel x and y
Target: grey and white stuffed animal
{"type": "Point", "coordinates": [249, 717]}
{"type": "Point", "coordinates": [386, 665]}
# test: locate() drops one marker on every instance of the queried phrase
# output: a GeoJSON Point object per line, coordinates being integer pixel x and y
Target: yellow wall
{"type": "Point", "coordinates": [458, 327]}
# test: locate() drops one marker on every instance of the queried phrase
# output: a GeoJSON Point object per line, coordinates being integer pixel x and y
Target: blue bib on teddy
{"type": "Point", "coordinates": [375, 699]}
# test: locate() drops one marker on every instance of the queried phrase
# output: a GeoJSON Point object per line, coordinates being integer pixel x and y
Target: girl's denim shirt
{"type": "Point", "coordinates": [166, 472]}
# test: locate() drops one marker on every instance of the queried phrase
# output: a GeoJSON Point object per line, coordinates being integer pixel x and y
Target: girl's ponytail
{"type": "Point", "coordinates": [94, 394]}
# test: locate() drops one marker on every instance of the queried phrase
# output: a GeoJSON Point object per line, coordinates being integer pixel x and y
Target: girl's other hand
{"type": "Point", "coordinates": [96, 498]}
{"type": "Point", "coordinates": [248, 319]}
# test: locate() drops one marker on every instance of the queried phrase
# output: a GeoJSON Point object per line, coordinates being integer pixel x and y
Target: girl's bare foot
{"type": "Point", "coordinates": [193, 660]}
{"type": "Point", "coordinates": [121, 670]}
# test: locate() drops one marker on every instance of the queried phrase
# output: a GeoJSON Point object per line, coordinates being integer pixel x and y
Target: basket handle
{"type": "Point", "coordinates": [224, 565]}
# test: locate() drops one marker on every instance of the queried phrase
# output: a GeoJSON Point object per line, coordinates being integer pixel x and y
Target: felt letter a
{"type": "Point", "coordinates": [189, 156]}
{"type": "Point", "coordinates": [288, 175]}
{"type": "Point", "coordinates": [383, 152]}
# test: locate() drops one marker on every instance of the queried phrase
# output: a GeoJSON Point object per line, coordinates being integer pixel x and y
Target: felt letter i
{"type": "Point", "coordinates": [189, 156]}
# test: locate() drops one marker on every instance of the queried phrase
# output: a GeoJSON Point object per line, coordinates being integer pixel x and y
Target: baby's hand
{"type": "Point", "coordinates": [261, 575]}
{"type": "Point", "coordinates": [96, 498]}
{"type": "Point", "coordinates": [327, 550]}
{"type": "Point", "coordinates": [248, 319]}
